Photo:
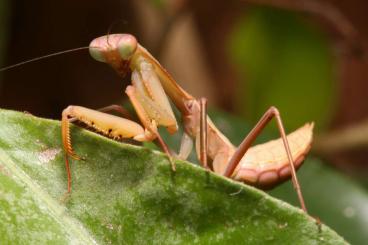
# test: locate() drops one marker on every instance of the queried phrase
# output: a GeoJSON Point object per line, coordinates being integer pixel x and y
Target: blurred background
{"type": "Point", "coordinates": [306, 57]}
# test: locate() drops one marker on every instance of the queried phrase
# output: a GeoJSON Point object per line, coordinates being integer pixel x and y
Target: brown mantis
{"type": "Point", "coordinates": [263, 166]}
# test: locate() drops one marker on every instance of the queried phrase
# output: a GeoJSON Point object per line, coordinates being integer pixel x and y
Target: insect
{"type": "Point", "coordinates": [262, 166]}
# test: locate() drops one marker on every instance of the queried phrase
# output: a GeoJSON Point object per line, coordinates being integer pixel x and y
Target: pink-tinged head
{"type": "Point", "coordinates": [102, 48]}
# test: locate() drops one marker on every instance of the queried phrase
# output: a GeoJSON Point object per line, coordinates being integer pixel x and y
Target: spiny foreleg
{"type": "Point", "coordinates": [109, 125]}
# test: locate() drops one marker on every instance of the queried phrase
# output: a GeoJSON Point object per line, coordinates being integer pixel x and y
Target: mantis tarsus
{"type": "Point", "coordinates": [263, 166]}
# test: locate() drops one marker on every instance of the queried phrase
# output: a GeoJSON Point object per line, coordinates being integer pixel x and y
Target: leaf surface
{"type": "Point", "coordinates": [124, 194]}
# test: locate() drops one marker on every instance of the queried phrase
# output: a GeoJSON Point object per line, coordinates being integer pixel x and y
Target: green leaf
{"type": "Point", "coordinates": [337, 200]}
{"type": "Point", "coordinates": [129, 194]}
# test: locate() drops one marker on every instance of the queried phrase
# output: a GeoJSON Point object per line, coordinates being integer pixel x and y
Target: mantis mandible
{"type": "Point", "coordinates": [262, 166]}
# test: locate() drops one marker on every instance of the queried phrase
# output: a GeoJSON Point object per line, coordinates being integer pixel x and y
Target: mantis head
{"type": "Point", "coordinates": [114, 49]}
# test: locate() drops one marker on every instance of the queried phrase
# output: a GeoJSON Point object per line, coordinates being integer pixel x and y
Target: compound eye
{"type": "Point", "coordinates": [97, 54]}
{"type": "Point", "coordinates": [96, 49]}
{"type": "Point", "coordinates": [127, 46]}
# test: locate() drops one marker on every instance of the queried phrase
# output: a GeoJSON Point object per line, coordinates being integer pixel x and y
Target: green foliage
{"type": "Point", "coordinates": [160, 4]}
{"type": "Point", "coordinates": [128, 194]}
{"type": "Point", "coordinates": [337, 200]}
{"type": "Point", "coordinates": [285, 63]}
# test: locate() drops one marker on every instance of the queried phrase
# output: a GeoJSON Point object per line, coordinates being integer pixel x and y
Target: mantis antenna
{"type": "Point", "coordinates": [112, 26]}
{"type": "Point", "coordinates": [44, 57]}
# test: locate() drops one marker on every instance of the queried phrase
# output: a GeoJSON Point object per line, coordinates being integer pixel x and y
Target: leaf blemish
{"type": "Point", "coordinates": [4, 170]}
{"type": "Point", "coordinates": [48, 155]}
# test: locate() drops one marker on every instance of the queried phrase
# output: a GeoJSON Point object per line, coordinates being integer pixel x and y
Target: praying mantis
{"type": "Point", "coordinates": [262, 166]}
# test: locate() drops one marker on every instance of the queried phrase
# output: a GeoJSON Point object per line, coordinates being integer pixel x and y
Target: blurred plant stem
{"type": "Point", "coordinates": [171, 33]}
{"type": "Point", "coordinates": [346, 139]}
